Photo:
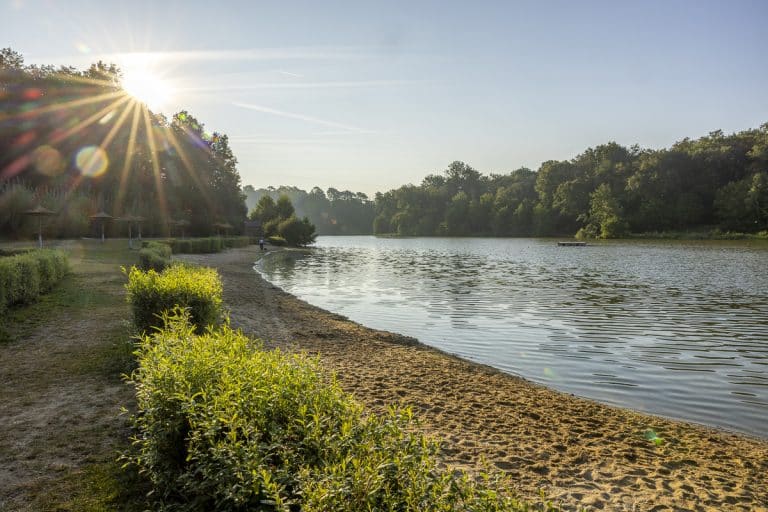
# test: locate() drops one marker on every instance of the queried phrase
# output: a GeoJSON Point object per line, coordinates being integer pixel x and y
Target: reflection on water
{"type": "Point", "coordinates": [677, 329]}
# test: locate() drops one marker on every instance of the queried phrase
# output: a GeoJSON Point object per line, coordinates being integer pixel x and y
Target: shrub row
{"type": "Point", "coordinates": [154, 256]}
{"type": "Point", "coordinates": [207, 245]}
{"type": "Point", "coordinates": [151, 293]}
{"type": "Point", "coordinates": [277, 240]}
{"type": "Point", "coordinates": [24, 277]}
{"type": "Point", "coordinates": [222, 424]}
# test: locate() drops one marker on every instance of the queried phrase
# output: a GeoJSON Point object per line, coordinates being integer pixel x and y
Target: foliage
{"type": "Point", "coordinates": [223, 425]}
{"type": "Point", "coordinates": [196, 245]}
{"type": "Point", "coordinates": [24, 277]}
{"type": "Point", "coordinates": [231, 242]}
{"type": "Point", "coordinates": [156, 168]}
{"type": "Point", "coordinates": [606, 191]}
{"type": "Point", "coordinates": [333, 212]}
{"type": "Point", "coordinates": [155, 256]}
{"type": "Point", "coordinates": [276, 240]}
{"type": "Point", "coordinates": [279, 219]}
{"type": "Point", "coordinates": [196, 288]}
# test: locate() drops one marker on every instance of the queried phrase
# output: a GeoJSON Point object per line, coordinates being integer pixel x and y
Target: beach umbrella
{"type": "Point", "coordinates": [130, 219]}
{"type": "Point", "coordinates": [226, 226]}
{"type": "Point", "coordinates": [102, 217]}
{"type": "Point", "coordinates": [180, 224]}
{"type": "Point", "coordinates": [138, 219]}
{"type": "Point", "coordinates": [40, 211]}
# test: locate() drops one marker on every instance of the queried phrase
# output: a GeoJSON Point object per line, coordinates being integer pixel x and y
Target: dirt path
{"type": "Point", "coordinates": [579, 452]}
{"type": "Point", "coordinates": [61, 389]}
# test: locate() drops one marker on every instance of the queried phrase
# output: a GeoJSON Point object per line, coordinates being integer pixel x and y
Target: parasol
{"type": "Point", "coordinates": [102, 216]}
{"type": "Point", "coordinates": [40, 211]}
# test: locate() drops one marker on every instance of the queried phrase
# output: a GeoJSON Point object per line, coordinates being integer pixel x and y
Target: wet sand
{"type": "Point", "coordinates": [579, 452]}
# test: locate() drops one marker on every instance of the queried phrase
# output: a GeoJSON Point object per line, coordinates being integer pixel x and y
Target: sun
{"type": "Point", "coordinates": [147, 87]}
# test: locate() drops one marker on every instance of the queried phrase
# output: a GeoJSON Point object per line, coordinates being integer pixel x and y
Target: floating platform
{"type": "Point", "coordinates": [572, 244]}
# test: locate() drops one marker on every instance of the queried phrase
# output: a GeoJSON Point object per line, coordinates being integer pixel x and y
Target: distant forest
{"type": "Point", "coordinates": [710, 186]}
{"type": "Point", "coordinates": [333, 212]}
{"type": "Point", "coordinates": [76, 143]}
{"type": "Point", "coordinates": [714, 183]}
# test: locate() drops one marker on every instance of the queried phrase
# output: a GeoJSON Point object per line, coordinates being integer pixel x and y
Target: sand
{"type": "Point", "coordinates": [578, 452]}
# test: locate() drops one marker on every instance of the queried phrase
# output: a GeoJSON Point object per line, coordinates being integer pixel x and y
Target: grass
{"type": "Point", "coordinates": [62, 361]}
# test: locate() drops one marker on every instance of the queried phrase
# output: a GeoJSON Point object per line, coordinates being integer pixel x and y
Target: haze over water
{"type": "Point", "coordinates": [678, 329]}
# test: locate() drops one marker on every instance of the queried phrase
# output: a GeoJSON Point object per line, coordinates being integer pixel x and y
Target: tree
{"type": "Point", "coordinates": [297, 232]}
{"type": "Point", "coordinates": [605, 215]}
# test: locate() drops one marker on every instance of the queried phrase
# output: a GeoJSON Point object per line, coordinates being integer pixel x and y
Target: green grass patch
{"type": "Point", "coordinates": [100, 487]}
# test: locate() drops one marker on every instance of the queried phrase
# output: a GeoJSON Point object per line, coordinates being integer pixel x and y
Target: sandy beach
{"type": "Point", "coordinates": [578, 452]}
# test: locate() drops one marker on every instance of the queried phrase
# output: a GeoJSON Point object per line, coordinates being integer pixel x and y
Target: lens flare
{"type": "Point", "coordinates": [92, 161]}
{"type": "Point", "coordinates": [653, 437]}
{"type": "Point", "coordinates": [83, 48]}
{"type": "Point", "coordinates": [47, 161]}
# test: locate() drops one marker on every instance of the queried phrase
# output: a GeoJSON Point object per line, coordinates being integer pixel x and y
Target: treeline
{"type": "Point", "coordinates": [716, 182]}
{"type": "Point", "coordinates": [77, 143]}
{"type": "Point", "coordinates": [333, 212]}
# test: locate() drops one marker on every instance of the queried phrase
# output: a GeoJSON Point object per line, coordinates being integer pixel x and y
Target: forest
{"type": "Point", "coordinates": [333, 212]}
{"type": "Point", "coordinates": [717, 183]}
{"type": "Point", "coordinates": [76, 143]}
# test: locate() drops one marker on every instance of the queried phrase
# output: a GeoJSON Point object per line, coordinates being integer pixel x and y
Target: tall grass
{"type": "Point", "coordinates": [222, 424]}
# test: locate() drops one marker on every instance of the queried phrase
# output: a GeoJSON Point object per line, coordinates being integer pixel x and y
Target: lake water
{"type": "Point", "coordinates": [678, 329]}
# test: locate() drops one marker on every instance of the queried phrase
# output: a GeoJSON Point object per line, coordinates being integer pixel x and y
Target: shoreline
{"type": "Point", "coordinates": [581, 453]}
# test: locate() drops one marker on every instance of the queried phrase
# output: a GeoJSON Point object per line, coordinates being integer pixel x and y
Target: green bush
{"type": "Point", "coordinates": [24, 277]}
{"type": "Point", "coordinates": [236, 241]}
{"type": "Point", "coordinates": [154, 256]}
{"type": "Point", "coordinates": [276, 240]}
{"type": "Point", "coordinates": [196, 245]}
{"type": "Point", "coordinates": [297, 232]}
{"type": "Point", "coordinates": [223, 425]}
{"type": "Point", "coordinates": [196, 288]}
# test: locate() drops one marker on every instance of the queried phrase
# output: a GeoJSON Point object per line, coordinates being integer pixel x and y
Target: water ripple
{"type": "Point", "coordinates": [677, 329]}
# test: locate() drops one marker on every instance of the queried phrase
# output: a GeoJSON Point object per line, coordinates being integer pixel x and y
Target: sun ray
{"type": "Point", "coordinates": [115, 127]}
{"type": "Point", "coordinates": [188, 167]}
{"type": "Point", "coordinates": [121, 190]}
{"type": "Point", "coordinates": [155, 164]}
{"type": "Point", "coordinates": [62, 106]}
{"type": "Point", "coordinates": [89, 121]}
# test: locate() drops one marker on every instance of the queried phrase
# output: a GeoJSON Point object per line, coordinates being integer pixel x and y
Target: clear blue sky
{"type": "Point", "coordinates": [371, 95]}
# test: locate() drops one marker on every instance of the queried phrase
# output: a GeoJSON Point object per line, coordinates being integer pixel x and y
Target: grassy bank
{"type": "Point", "coordinates": [61, 365]}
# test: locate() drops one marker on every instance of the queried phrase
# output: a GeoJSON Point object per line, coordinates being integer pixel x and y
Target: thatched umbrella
{"type": "Point", "coordinates": [226, 226]}
{"type": "Point", "coordinates": [102, 216]}
{"type": "Point", "coordinates": [130, 219]}
{"type": "Point", "coordinates": [40, 211]}
{"type": "Point", "coordinates": [181, 224]}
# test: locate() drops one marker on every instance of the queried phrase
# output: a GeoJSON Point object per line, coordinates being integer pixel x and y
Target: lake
{"type": "Point", "coordinates": [678, 329]}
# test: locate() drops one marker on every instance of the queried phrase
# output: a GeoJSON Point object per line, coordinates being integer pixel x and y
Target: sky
{"type": "Point", "coordinates": [369, 96]}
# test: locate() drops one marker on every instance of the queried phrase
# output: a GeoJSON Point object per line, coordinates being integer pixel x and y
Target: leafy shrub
{"type": "Point", "coordinates": [236, 241]}
{"type": "Point", "coordinates": [151, 293]}
{"type": "Point", "coordinates": [25, 276]}
{"type": "Point", "coordinates": [155, 256]}
{"type": "Point", "coordinates": [276, 240]}
{"type": "Point", "coordinates": [297, 232]}
{"type": "Point", "coordinates": [225, 425]}
{"type": "Point", "coordinates": [196, 245]}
